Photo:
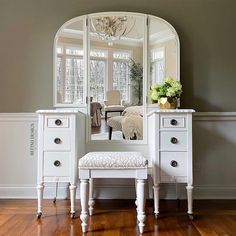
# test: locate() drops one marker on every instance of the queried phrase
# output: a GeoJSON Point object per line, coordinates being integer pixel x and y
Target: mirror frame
{"type": "Point", "coordinates": [84, 108]}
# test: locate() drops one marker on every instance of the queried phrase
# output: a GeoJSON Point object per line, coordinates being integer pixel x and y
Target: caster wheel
{"type": "Point", "coordinates": [191, 217]}
{"type": "Point", "coordinates": [157, 216]}
{"type": "Point", "coordinates": [54, 201]}
{"type": "Point", "coordinates": [39, 215]}
{"type": "Point", "coordinates": [72, 215]}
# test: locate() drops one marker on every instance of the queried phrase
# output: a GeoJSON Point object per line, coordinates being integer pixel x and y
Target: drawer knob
{"type": "Point", "coordinates": [174, 140]}
{"type": "Point", "coordinates": [57, 140]}
{"type": "Point", "coordinates": [173, 163]}
{"type": "Point", "coordinates": [57, 163]}
{"type": "Point", "coordinates": [58, 122]}
{"type": "Point", "coordinates": [173, 122]}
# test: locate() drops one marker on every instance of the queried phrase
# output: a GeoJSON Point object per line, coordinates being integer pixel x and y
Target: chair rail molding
{"type": "Point", "coordinates": [211, 116]}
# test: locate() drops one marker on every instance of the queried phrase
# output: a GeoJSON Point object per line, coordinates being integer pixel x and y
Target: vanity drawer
{"type": "Point", "coordinates": [56, 163]}
{"type": "Point", "coordinates": [57, 122]}
{"type": "Point", "coordinates": [173, 121]}
{"type": "Point", "coordinates": [173, 164]}
{"type": "Point", "coordinates": [57, 140]}
{"type": "Point", "coordinates": [173, 141]}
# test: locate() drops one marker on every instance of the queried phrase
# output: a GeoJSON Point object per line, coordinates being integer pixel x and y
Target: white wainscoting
{"type": "Point", "coordinates": [214, 143]}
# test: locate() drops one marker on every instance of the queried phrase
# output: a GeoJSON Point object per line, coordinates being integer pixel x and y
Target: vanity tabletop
{"type": "Point", "coordinates": [170, 111]}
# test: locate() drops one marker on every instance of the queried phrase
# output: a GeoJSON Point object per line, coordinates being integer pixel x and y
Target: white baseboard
{"type": "Point", "coordinates": [168, 191]}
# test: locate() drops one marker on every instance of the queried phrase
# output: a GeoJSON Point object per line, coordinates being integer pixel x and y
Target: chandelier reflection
{"type": "Point", "coordinates": [111, 28]}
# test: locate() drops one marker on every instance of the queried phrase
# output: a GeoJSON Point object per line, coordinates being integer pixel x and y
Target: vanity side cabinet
{"type": "Point", "coordinates": [170, 150]}
{"type": "Point", "coordinates": [57, 152]}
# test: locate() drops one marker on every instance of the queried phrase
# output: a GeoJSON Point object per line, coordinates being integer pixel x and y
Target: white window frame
{"type": "Point", "coordinates": [123, 60]}
{"type": "Point", "coordinates": [106, 76]}
{"type": "Point", "coordinates": [64, 56]}
{"type": "Point", "coordinates": [163, 59]}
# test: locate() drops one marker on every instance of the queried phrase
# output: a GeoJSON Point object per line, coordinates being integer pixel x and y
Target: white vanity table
{"type": "Point", "coordinates": [57, 151]}
{"type": "Point", "coordinates": [93, 68]}
{"type": "Point", "coordinates": [170, 149]}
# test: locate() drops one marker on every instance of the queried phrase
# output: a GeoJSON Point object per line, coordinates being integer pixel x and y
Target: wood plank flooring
{"type": "Point", "coordinates": [118, 217]}
{"type": "Point", "coordinates": [100, 129]}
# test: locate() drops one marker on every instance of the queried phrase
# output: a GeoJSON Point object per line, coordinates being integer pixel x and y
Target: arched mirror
{"type": "Point", "coordinates": [104, 65]}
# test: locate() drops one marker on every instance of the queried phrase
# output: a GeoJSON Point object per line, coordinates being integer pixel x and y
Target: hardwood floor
{"type": "Point", "coordinates": [100, 129]}
{"type": "Point", "coordinates": [118, 217]}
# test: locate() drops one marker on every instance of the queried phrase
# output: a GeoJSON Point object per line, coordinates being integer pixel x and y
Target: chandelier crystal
{"type": "Point", "coordinates": [111, 28]}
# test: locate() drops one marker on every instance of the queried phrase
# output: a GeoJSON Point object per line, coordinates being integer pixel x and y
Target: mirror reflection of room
{"type": "Point", "coordinates": [163, 51]}
{"type": "Point", "coordinates": [70, 65]}
{"type": "Point", "coordinates": [100, 68]}
{"type": "Point", "coordinates": [116, 77]}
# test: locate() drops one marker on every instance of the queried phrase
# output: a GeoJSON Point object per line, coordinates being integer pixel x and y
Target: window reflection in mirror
{"type": "Point", "coordinates": [116, 77]}
{"type": "Point", "coordinates": [163, 51]}
{"type": "Point", "coordinates": [70, 64]}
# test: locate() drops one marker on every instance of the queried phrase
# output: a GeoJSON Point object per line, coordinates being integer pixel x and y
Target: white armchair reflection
{"type": "Point", "coordinates": [113, 102]}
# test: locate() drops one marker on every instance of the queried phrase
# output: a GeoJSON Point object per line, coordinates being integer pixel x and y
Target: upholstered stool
{"type": "Point", "coordinates": [112, 165]}
{"type": "Point", "coordinates": [114, 123]}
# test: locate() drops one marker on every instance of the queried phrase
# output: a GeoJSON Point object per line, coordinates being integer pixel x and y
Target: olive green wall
{"type": "Point", "coordinates": [207, 36]}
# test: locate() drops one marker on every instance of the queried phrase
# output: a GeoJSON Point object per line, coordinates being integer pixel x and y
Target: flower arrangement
{"type": "Point", "coordinates": [170, 89]}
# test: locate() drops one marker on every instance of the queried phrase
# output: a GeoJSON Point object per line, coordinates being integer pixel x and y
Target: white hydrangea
{"type": "Point", "coordinates": [171, 92]}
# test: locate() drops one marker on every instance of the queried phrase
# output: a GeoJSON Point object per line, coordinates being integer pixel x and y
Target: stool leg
{"type": "Point", "coordinates": [110, 132]}
{"type": "Point", "coordinates": [84, 203]}
{"type": "Point", "coordinates": [40, 188]}
{"type": "Point", "coordinates": [141, 203]}
{"type": "Point", "coordinates": [91, 201]}
{"type": "Point", "coordinates": [190, 200]}
{"type": "Point", "coordinates": [156, 189]}
{"type": "Point", "coordinates": [72, 200]}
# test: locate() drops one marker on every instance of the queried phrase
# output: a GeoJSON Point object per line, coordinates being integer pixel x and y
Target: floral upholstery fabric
{"type": "Point", "coordinates": [113, 160]}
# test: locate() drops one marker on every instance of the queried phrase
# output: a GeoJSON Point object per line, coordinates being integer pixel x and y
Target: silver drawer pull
{"type": "Point", "coordinates": [58, 122]}
{"type": "Point", "coordinates": [57, 140]}
{"type": "Point", "coordinates": [173, 163]}
{"type": "Point", "coordinates": [57, 163]}
{"type": "Point", "coordinates": [173, 122]}
{"type": "Point", "coordinates": [174, 140]}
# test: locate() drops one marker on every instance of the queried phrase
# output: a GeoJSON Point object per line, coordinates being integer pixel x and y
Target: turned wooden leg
{"type": "Point", "coordinates": [91, 202]}
{"type": "Point", "coordinates": [141, 204]}
{"type": "Point", "coordinates": [40, 188]}
{"type": "Point", "coordinates": [84, 203]}
{"type": "Point", "coordinates": [156, 189]}
{"type": "Point", "coordinates": [72, 200]}
{"type": "Point", "coordinates": [190, 199]}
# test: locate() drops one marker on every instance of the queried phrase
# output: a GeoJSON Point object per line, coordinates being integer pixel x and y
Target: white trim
{"type": "Point", "coordinates": [214, 116]}
{"type": "Point", "coordinates": [19, 117]}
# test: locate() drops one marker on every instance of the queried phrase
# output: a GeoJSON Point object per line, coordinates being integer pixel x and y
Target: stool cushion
{"type": "Point", "coordinates": [113, 160]}
{"type": "Point", "coordinates": [115, 122]}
